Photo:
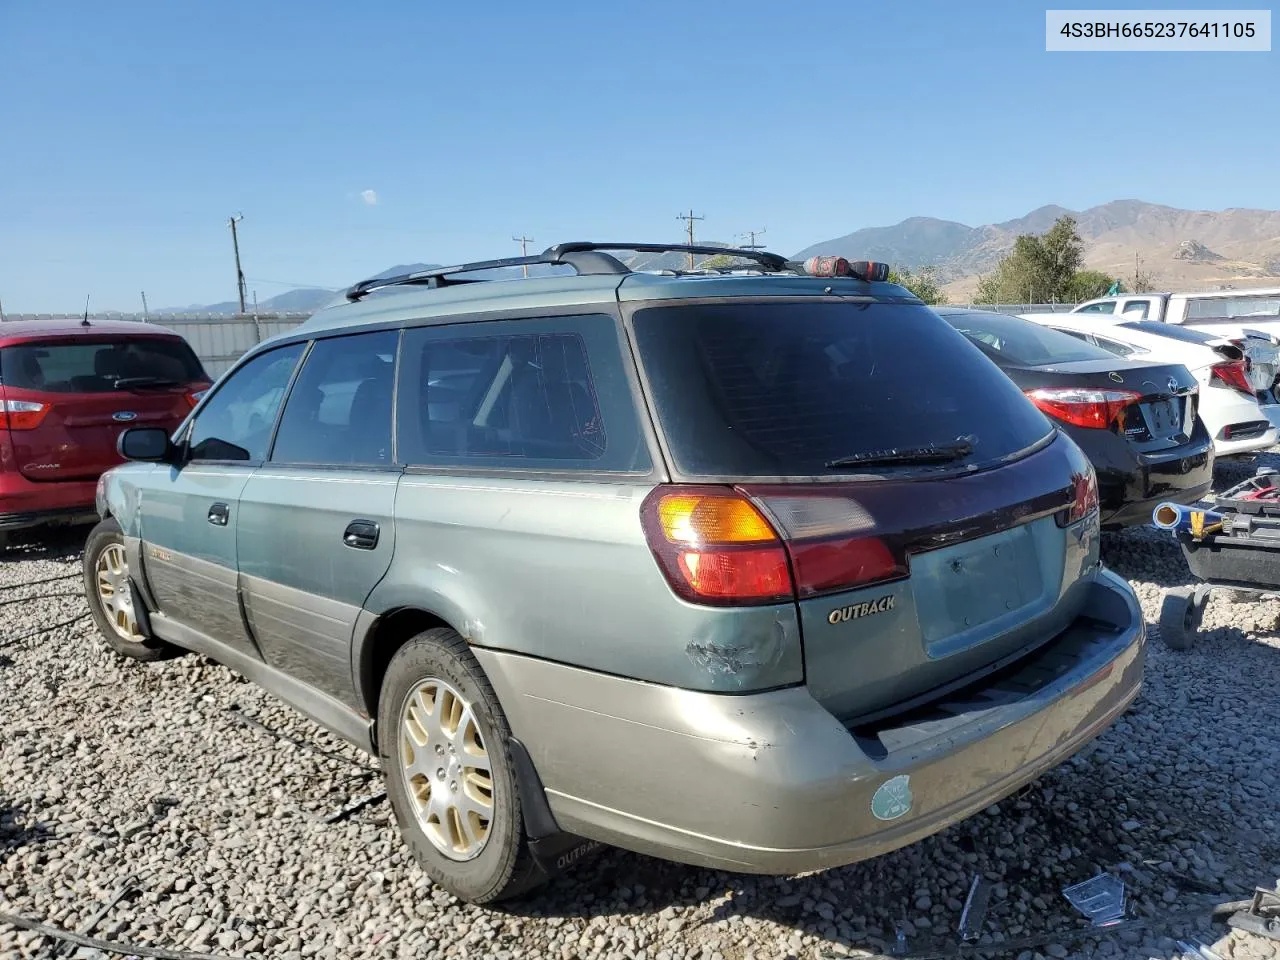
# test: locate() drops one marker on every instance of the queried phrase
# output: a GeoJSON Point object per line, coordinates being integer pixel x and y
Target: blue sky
{"type": "Point", "coordinates": [129, 132]}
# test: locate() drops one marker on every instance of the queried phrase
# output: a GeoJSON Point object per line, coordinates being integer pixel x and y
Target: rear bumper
{"type": "Point", "coordinates": [773, 783]}
{"type": "Point", "coordinates": [1131, 483]}
{"type": "Point", "coordinates": [26, 504]}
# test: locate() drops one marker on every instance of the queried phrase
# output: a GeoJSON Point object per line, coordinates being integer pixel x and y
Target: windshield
{"type": "Point", "coordinates": [94, 366]}
{"type": "Point", "coordinates": [791, 389]}
{"type": "Point", "coordinates": [1016, 342]}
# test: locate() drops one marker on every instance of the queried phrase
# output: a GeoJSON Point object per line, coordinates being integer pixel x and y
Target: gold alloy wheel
{"type": "Point", "coordinates": [111, 574]}
{"type": "Point", "coordinates": [446, 769]}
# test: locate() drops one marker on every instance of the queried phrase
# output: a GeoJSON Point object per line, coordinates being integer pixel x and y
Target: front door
{"type": "Point", "coordinates": [189, 526]}
{"type": "Point", "coordinates": [316, 527]}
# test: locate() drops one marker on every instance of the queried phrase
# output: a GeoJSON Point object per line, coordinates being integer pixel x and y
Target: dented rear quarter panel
{"type": "Point", "coordinates": [560, 570]}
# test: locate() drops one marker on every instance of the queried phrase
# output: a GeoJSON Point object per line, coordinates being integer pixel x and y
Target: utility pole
{"type": "Point", "coordinates": [524, 249]}
{"type": "Point", "coordinates": [1, 313]}
{"type": "Point", "coordinates": [689, 219]}
{"type": "Point", "coordinates": [235, 242]}
{"type": "Point", "coordinates": [146, 315]}
{"type": "Point", "coordinates": [752, 245]}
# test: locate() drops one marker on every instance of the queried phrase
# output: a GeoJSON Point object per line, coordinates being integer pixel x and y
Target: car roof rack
{"type": "Point", "coordinates": [587, 258]}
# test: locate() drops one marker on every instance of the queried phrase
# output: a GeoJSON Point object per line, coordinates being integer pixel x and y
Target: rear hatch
{"type": "Point", "coordinates": [923, 506]}
{"type": "Point", "coordinates": [69, 398]}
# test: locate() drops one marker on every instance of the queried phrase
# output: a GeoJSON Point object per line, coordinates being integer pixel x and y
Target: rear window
{"type": "Point", "coordinates": [1022, 343]}
{"type": "Point", "coordinates": [95, 366]}
{"type": "Point", "coordinates": [781, 389]}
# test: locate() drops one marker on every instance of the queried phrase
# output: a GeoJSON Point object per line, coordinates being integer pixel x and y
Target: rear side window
{"type": "Point", "coordinates": [782, 389]}
{"type": "Point", "coordinates": [1022, 343]}
{"type": "Point", "coordinates": [1261, 306]}
{"type": "Point", "coordinates": [98, 365]}
{"type": "Point", "coordinates": [339, 409]}
{"type": "Point", "coordinates": [1107, 307]}
{"type": "Point", "coordinates": [549, 394]}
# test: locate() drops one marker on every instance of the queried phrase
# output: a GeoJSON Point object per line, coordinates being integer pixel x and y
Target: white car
{"type": "Point", "coordinates": [1229, 404]}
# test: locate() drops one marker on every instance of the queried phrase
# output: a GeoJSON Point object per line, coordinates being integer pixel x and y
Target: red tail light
{"type": "Point", "coordinates": [1084, 407]}
{"type": "Point", "coordinates": [716, 546]}
{"type": "Point", "coordinates": [1086, 498]}
{"type": "Point", "coordinates": [22, 414]}
{"type": "Point", "coordinates": [1234, 374]}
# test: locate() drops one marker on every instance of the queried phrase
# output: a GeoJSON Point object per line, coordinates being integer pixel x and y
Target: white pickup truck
{"type": "Point", "coordinates": [1250, 318]}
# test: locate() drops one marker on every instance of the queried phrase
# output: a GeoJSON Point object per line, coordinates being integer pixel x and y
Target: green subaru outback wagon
{"type": "Point", "coordinates": [763, 568]}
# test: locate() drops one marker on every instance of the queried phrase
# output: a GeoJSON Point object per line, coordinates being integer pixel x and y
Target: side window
{"type": "Point", "coordinates": [1078, 334]}
{"type": "Point", "coordinates": [1135, 309]}
{"type": "Point", "coordinates": [549, 394]}
{"type": "Point", "coordinates": [1119, 349]}
{"type": "Point", "coordinates": [339, 410]}
{"type": "Point", "coordinates": [1105, 307]}
{"type": "Point", "coordinates": [236, 422]}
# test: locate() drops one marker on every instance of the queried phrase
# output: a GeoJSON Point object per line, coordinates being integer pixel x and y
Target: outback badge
{"type": "Point", "coordinates": [856, 610]}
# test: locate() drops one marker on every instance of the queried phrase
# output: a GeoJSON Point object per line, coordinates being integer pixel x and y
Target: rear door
{"type": "Point", "coordinates": [89, 389]}
{"type": "Point", "coordinates": [316, 529]}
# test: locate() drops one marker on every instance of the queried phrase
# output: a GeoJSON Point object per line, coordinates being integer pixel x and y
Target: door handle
{"type": "Point", "coordinates": [219, 514]}
{"type": "Point", "coordinates": [361, 535]}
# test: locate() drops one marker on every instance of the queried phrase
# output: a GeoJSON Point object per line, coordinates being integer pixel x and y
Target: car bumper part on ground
{"type": "Point", "coordinates": [773, 783]}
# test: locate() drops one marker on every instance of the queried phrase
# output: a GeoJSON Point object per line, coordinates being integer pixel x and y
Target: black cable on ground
{"type": "Point", "coordinates": [41, 596]}
{"type": "Point", "coordinates": [49, 629]}
{"type": "Point", "coordinates": [106, 946]}
{"type": "Point", "coordinates": [36, 583]}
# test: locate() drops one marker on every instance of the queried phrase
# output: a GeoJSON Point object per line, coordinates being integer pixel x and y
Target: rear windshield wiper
{"type": "Point", "coordinates": [946, 453]}
{"type": "Point", "coordinates": [129, 383]}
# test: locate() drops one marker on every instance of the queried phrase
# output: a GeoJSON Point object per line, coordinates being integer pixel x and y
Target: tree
{"type": "Point", "coordinates": [1043, 269]}
{"type": "Point", "coordinates": [1087, 284]}
{"type": "Point", "coordinates": [923, 284]}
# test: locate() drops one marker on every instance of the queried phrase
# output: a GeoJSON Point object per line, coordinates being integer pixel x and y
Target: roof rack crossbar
{"type": "Point", "coordinates": [586, 258]}
{"type": "Point", "coordinates": [771, 260]}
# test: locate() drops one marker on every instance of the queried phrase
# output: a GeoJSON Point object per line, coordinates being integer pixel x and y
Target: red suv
{"type": "Point", "coordinates": [67, 390]}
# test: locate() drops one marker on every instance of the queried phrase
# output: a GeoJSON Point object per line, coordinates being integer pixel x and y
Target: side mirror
{"type": "Point", "coordinates": [148, 444]}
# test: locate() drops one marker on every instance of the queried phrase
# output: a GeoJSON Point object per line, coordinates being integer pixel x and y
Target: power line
{"type": "Point", "coordinates": [524, 248]}
{"type": "Point", "coordinates": [689, 219]}
{"type": "Point", "coordinates": [235, 242]}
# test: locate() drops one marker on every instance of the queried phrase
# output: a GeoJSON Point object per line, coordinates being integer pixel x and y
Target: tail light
{"type": "Point", "coordinates": [1084, 407]}
{"type": "Point", "coordinates": [1086, 498]}
{"type": "Point", "coordinates": [22, 414]}
{"type": "Point", "coordinates": [717, 546]}
{"type": "Point", "coordinates": [1234, 374]}
{"type": "Point", "coordinates": [195, 396]}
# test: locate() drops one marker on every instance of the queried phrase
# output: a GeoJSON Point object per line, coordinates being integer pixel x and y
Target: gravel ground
{"type": "Point", "coordinates": [110, 768]}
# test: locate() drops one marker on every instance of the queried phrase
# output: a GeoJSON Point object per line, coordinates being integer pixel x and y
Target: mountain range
{"type": "Point", "coordinates": [1181, 249]}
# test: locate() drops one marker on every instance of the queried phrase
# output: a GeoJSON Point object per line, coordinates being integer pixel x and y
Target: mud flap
{"type": "Point", "coordinates": [554, 850]}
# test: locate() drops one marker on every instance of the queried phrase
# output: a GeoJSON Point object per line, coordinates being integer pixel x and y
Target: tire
{"type": "Point", "coordinates": [106, 541]}
{"type": "Point", "coordinates": [501, 866]}
{"type": "Point", "coordinates": [1180, 617]}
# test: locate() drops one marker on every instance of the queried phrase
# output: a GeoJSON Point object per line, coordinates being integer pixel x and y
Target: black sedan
{"type": "Point", "coordinates": [1135, 421]}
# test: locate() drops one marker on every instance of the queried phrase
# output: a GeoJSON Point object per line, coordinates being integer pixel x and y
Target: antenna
{"type": "Point", "coordinates": [85, 321]}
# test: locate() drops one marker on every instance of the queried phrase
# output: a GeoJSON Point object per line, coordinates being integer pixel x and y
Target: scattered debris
{"type": "Point", "coordinates": [1261, 916]}
{"type": "Point", "coordinates": [1100, 899]}
{"type": "Point", "coordinates": [975, 908]}
{"type": "Point", "coordinates": [1195, 950]}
